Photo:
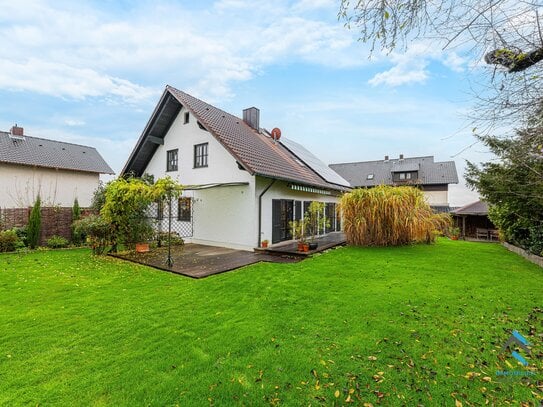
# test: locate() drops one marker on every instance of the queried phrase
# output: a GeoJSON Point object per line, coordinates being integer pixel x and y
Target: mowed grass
{"type": "Point", "coordinates": [400, 326]}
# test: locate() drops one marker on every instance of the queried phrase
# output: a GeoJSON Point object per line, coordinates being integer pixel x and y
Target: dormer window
{"type": "Point", "coordinates": [369, 176]}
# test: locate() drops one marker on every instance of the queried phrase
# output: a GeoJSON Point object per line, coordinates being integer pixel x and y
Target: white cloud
{"type": "Point", "coordinates": [88, 52]}
{"type": "Point", "coordinates": [74, 122]}
{"type": "Point", "coordinates": [62, 80]}
{"type": "Point", "coordinates": [308, 5]}
{"type": "Point", "coordinates": [411, 66]}
{"type": "Point", "coordinates": [400, 75]}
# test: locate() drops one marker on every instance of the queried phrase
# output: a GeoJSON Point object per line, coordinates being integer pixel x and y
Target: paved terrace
{"type": "Point", "coordinates": [198, 261]}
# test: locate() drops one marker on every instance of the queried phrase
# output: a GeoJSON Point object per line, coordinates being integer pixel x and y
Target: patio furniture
{"type": "Point", "coordinates": [481, 233]}
{"type": "Point", "coordinates": [493, 234]}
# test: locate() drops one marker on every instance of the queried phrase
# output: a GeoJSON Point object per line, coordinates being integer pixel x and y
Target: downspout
{"type": "Point", "coordinates": [260, 211]}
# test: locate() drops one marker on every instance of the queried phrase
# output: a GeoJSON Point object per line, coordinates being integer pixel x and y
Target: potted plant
{"type": "Point", "coordinates": [297, 228]}
{"type": "Point", "coordinates": [264, 243]}
{"type": "Point", "coordinates": [141, 231]}
{"type": "Point", "coordinates": [316, 221]}
{"type": "Point", "coordinates": [454, 233]}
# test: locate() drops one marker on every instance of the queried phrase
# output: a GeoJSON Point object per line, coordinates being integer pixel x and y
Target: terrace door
{"type": "Point", "coordinates": [282, 213]}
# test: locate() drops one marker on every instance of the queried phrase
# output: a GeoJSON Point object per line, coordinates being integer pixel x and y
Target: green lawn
{"type": "Point", "coordinates": [420, 324]}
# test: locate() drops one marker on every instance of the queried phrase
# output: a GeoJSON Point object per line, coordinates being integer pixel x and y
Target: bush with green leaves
{"type": "Point", "coordinates": [57, 242]}
{"type": "Point", "coordinates": [9, 241]}
{"type": "Point", "coordinates": [34, 225]}
{"type": "Point", "coordinates": [22, 234]}
{"type": "Point", "coordinates": [97, 231]}
{"type": "Point", "coordinates": [513, 185]}
{"type": "Point", "coordinates": [126, 204]}
{"type": "Point", "coordinates": [175, 239]}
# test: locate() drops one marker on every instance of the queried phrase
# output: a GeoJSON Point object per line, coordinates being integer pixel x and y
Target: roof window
{"type": "Point", "coordinates": [369, 176]}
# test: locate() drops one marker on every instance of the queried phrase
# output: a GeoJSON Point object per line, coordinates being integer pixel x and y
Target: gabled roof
{"type": "Point", "coordinates": [42, 152]}
{"type": "Point", "coordinates": [372, 173]}
{"type": "Point", "coordinates": [255, 151]}
{"type": "Point", "coordinates": [475, 208]}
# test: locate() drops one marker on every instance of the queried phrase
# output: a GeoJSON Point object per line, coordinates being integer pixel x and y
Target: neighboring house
{"type": "Point", "coordinates": [241, 185]}
{"type": "Point", "coordinates": [473, 221]}
{"type": "Point", "coordinates": [433, 178]}
{"type": "Point", "coordinates": [59, 172]}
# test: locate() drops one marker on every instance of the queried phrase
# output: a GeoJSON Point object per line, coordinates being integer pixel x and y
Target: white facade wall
{"type": "Point", "coordinates": [222, 167]}
{"type": "Point", "coordinates": [281, 190]}
{"type": "Point", "coordinates": [222, 216]}
{"type": "Point", "coordinates": [438, 198]}
{"type": "Point", "coordinates": [20, 185]}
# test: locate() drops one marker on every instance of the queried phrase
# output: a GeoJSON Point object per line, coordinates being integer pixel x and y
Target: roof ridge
{"type": "Point", "coordinates": [169, 87]}
{"type": "Point", "coordinates": [51, 140]}
{"type": "Point", "coordinates": [389, 160]}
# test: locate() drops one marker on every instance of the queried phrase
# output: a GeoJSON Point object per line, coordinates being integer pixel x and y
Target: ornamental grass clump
{"type": "Point", "coordinates": [389, 216]}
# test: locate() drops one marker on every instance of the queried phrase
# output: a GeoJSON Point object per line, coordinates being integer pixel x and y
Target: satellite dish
{"type": "Point", "coordinates": [276, 134]}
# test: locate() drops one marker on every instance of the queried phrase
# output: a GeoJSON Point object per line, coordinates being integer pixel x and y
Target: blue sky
{"type": "Point", "coordinates": [91, 73]}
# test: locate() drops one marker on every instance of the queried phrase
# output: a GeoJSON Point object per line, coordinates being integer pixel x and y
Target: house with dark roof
{"type": "Point", "coordinates": [433, 178]}
{"type": "Point", "coordinates": [243, 184]}
{"type": "Point", "coordinates": [473, 221]}
{"type": "Point", "coordinates": [59, 172]}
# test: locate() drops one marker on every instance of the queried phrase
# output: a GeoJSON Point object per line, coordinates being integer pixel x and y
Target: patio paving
{"type": "Point", "coordinates": [198, 261]}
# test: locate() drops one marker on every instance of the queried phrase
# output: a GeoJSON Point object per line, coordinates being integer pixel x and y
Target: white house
{"type": "Point", "coordinates": [242, 185]}
{"type": "Point", "coordinates": [59, 172]}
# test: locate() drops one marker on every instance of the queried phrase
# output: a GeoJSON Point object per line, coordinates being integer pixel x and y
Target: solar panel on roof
{"type": "Point", "coordinates": [317, 165]}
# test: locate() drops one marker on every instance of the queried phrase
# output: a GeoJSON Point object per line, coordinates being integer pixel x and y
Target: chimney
{"type": "Point", "coordinates": [17, 131]}
{"type": "Point", "coordinates": [401, 156]}
{"type": "Point", "coordinates": [251, 116]}
{"type": "Point", "coordinates": [386, 157]}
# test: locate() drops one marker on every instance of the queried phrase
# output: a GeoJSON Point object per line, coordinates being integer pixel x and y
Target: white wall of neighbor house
{"type": "Point", "coordinates": [438, 198]}
{"type": "Point", "coordinates": [281, 190]}
{"type": "Point", "coordinates": [222, 166]}
{"type": "Point", "coordinates": [21, 184]}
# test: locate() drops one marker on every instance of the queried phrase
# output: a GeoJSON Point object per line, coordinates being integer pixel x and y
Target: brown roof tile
{"type": "Point", "coordinates": [257, 152]}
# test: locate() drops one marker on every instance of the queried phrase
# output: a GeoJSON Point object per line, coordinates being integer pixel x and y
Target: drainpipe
{"type": "Point", "coordinates": [260, 211]}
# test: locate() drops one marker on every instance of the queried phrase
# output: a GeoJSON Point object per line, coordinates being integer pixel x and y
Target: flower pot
{"type": "Point", "coordinates": [305, 247]}
{"type": "Point", "coordinates": [142, 247]}
{"type": "Point", "coordinates": [300, 247]}
{"type": "Point", "coordinates": [264, 244]}
{"type": "Point", "coordinates": [313, 246]}
{"type": "Point", "coordinates": [454, 237]}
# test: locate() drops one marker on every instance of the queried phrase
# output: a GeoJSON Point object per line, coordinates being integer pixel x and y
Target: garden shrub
{"type": "Point", "coordinates": [57, 242]}
{"type": "Point", "coordinates": [97, 231]}
{"type": "Point", "coordinates": [22, 234]}
{"type": "Point", "coordinates": [175, 239]}
{"type": "Point", "coordinates": [389, 216]}
{"type": "Point", "coordinates": [9, 241]}
{"type": "Point", "coordinates": [34, 225]}
{"type": "Point", "coordinates": [126, 205]}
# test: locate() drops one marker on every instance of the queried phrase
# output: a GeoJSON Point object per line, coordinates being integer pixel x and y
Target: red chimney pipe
{"type": "Point", "coordinates": [17, 131]}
